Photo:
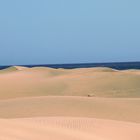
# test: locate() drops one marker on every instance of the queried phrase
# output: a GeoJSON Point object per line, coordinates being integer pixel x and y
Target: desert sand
{"type": "Point", "coordinates": [77, 104]}
{"type": "Point", "coordinates": [60, 128]}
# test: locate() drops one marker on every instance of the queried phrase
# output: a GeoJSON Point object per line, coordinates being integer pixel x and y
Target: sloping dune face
{"type": "Point", "coordinates": [12, 69]}
{"type": "Point", "coordinates": [77, 104]}
{"type": "Point", "coordinates": [98, 82]}
{"type": "Point", "coordinates": [103, 108]}
{"type": "Point", "coordinates": [60, 128]}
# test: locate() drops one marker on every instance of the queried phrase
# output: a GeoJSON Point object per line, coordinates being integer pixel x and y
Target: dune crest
{"type": "Point", "coordinates": [104, 69]}
{"type": "Point", "coordinates": [12, 69]}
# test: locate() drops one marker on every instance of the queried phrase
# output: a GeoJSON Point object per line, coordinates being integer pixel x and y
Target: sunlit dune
{"type": "Point", "coordinates": [69, 104]}
{"type": "Point", "coordinates": [12, 69]}
{"type": "Point", "coordinates": [106, 108]}
{"type": "Point", "coordinates": [60, 128]}
{"type": "Point", "coordinates": [41, 81]}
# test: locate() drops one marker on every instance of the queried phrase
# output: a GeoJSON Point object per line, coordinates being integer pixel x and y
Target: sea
{"type": "Point", "coordinates": [114, 65]}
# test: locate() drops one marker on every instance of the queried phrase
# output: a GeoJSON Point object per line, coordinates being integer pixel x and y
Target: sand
{"type": "Point", "coordinates": [60, 128]}
{"type": "Point", "coordinates": [77, 104]}
{"type": "Point", "coordinates": [106, 108]}
{"type": "Point", "coordinates": [98, 82]}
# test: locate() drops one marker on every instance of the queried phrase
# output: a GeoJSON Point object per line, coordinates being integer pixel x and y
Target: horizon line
{"type": "Point", "coordinates": [71, 63]}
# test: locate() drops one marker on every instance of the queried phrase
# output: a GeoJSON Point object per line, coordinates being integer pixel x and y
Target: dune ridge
{"type": "Point", "coordinates": [13, 68]}
{"type": "Point", "coordinates": [41, 81]}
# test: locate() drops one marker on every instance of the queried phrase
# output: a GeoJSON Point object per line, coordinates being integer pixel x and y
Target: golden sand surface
{"type": "Point", "coordinates": [75, 104]}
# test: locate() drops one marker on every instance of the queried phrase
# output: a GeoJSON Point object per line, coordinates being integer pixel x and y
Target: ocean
{"type": "Point", "coordinates": [116, 65]}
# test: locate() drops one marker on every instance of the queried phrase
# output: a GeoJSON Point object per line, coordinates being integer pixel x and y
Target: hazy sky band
{"type": "Point", "coordinates": [69, 31]}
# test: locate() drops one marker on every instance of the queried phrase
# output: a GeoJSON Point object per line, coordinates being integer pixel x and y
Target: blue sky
{"type": "Point", "coordinates": [69, 31]}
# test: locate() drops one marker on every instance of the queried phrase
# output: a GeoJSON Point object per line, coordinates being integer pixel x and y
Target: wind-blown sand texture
{"type": "Point", "coordinates": [60, 128]}
{"type": "Point", "coordinates": [77, 104]}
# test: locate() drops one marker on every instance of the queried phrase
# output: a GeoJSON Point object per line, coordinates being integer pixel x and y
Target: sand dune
{"type": "Point", "coordinates": [68, 129]}
{"type": "Point", "coordinates": [12, 69]}
{"type": "Point", "coordinates": [98, 82]}
{"type": "Point", "coordinates": [106, 108]}
{"type": "Point", "coordinates": [59, 104]}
